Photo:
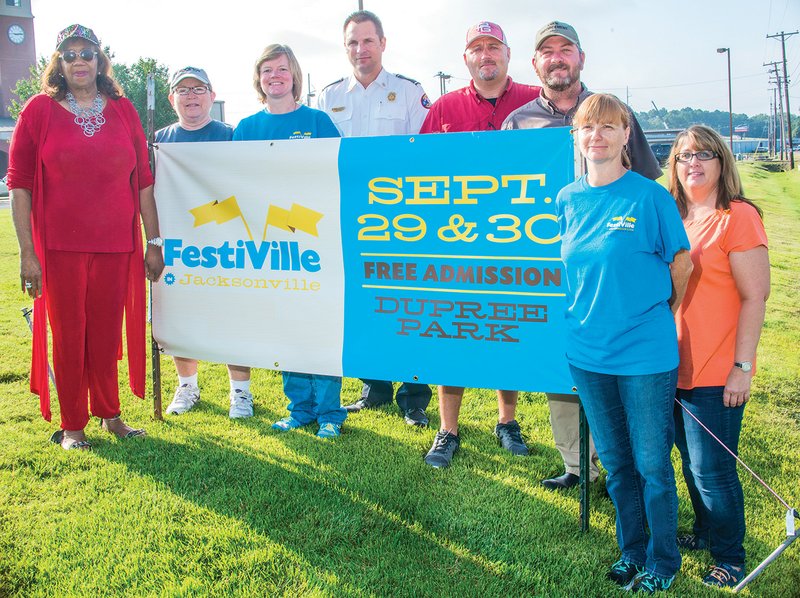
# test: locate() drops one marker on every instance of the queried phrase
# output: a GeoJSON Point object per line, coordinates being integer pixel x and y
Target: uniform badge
{"type": "Point", "coordinates": [426, 103]}
{"type": "Point", "coordinates": [392, 96]}
{"type": "Point", "coordinates": [337, 108]}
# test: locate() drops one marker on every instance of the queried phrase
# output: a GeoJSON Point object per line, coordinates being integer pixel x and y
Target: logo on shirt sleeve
{"type": "Point", "coordinates": [626, 223]}
{"type": "Point", "coordinates": [426, 103]}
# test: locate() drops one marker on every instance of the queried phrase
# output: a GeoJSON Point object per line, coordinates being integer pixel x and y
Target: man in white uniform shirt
{"type": "Point", "coordinates": [373, 101]}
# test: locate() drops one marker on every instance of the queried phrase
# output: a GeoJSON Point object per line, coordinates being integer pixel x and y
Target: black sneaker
{"type": "Point", "coordinates": [369, 400]}
{"type": "Point", "coordinates": [444, 447]}
{"type": "Point", "coordinates": [622, 572]}
{"type": "Point", "coordinates": [691, 542]}
{"type": "Point", "coordinates": [510, 437]}
{"type": "Point", "coordinates": [416, 417]}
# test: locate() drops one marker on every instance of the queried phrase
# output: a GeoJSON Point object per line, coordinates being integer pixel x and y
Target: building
{"type": "Point", "coordinates": [17, 56]}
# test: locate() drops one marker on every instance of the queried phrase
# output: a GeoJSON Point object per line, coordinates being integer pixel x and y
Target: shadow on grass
{"type": "Point", "coordinates": [367, 511]}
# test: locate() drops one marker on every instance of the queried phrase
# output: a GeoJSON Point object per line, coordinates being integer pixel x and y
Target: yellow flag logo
{"type": "Point", "coordinates": [298, 218]}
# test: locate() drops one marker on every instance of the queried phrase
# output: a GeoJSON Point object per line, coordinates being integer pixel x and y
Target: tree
{"type": "Point", "coordinates": [133, 80]}
{"type": "Point", "coordinates": [25, 88]}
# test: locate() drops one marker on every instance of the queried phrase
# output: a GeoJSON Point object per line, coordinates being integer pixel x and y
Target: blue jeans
{"type": "Point", "coordinates": [710, 471]}
{"type": "Point", "coordinates": [313, 397]}
{"type": "Point", "coordinates": [633, 427]}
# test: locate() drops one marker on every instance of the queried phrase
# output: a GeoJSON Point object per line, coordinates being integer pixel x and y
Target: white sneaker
{"type": "Point", "coordinates": [185, 398]}
{"type": "Point", "coordinates": [241, 404]}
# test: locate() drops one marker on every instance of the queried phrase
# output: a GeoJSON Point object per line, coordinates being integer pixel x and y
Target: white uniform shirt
{"type": "Point", "coordinates": [391, 105]}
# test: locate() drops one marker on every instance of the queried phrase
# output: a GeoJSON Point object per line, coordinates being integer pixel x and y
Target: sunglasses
{"type": "Point", "coordinates": [70, 56]}
{"type": "Point", "coordinates": [184, 91]}
{"type": "Point", "coordinates": [702, 155]}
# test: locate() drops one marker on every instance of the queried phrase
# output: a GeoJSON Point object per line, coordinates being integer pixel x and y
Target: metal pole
{"type": "Point", "coordinates": [583, 428]}
{"type": "Point", "coordinates": [27, 312]}
{"type": "Point", "coordinates": [155, 350]}
{"type": "Point", "coordinates": [791, 536]}
{"type": "Point", "coordinates": [730, 95]}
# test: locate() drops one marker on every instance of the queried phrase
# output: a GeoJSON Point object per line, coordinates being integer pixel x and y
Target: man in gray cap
{"type": "Point", "coordinates": [192, 97]}
{"type": "Point", "coordinates": [558, 61]}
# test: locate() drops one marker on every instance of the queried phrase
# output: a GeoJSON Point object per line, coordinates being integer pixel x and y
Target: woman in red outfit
{"type": "Point", "coordinates": [80, 179]}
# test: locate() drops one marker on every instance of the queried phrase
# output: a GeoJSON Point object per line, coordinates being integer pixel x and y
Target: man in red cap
{"type": "Point", "coordinates": [490, 97]}
{"type": "Point", "coordinates": [481, 106]}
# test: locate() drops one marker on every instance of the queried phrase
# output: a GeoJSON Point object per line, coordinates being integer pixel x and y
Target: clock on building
{"type": "Point", "coordinates": [16, 34]}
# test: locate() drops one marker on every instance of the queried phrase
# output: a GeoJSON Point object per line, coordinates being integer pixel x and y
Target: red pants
{"type": "Point", "coordinates": [85, 301]}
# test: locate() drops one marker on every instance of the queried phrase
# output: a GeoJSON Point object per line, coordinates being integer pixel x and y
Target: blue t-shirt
{"type": "Point", "coordinates": [303, 123]}
{"type": "Point", "coordinates": [214, 131]}
{"type": "Point", "coordinates": [617, 242]}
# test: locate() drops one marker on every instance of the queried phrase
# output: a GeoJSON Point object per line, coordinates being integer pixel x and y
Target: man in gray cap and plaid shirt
{"type": "Point", "coordinates": [558, 61]}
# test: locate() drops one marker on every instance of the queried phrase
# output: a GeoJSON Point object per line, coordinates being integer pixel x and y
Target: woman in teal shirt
{"type": "Point", "coordinates": [625, 255]}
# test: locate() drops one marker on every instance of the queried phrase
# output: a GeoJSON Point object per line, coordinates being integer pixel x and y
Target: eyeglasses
{"type": "Point", "coordinates": [702, 155]}
{"type": "Point", "coordinates": [70, 56]}
{"type": "Point", "coordinates": [184, 91]}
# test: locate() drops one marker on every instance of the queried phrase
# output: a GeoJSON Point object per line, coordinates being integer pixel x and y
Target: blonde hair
{"type": "Point", "coordinates": [729, 187]}
{"type": "Point", "coordinates": [271, 53]}
{"type": "Point", "coordinates": [604, 108]}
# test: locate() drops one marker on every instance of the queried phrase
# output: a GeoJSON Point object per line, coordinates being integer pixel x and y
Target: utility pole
{"type": "Point", "coordinates": [442, 85]}
{"type": "Point", "coordinates": [778, 107]}
{"type": "Point", "coordinates": [730, 96]}
{"type": "Point", "coordinates": [310, 93]}
{"type": "Point", "coordinates": [783, 37]}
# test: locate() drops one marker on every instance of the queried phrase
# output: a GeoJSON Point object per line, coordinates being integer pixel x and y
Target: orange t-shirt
{"type": "Point", "coordinates": [708, 316]}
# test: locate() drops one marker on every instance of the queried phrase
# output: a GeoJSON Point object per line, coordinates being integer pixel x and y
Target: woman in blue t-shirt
{"type": "Point", "coordinates": [279, 82]}
{"type": "Point", "coordinates": [625, 256]}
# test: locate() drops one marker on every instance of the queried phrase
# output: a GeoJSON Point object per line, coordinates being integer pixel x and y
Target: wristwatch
{"type": "Point", "coordinates": [157, 241]}
{"type": "Point", "coordinates": [745, 366]}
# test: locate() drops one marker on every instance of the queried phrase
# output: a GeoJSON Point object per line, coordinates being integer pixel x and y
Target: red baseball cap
{"type": "Point", "coordinates": [485, 29]}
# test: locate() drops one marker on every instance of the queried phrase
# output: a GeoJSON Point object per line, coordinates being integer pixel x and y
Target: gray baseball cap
{"type": "Point", "coordinates": [557, 28]}
{"type": "Point", "coordinates": [188, 72]}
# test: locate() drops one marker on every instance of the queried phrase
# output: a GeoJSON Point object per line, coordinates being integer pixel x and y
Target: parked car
{"type": "Point", "coordinates": [661, 152]}
{"type": "Point", "coordinates": [3, 189]}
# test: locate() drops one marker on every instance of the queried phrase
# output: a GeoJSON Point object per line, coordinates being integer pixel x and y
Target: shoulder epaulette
{"type": "Point", "coordinates": [334, 83]}
{"type": "Point", "coordinates": [407, 79]}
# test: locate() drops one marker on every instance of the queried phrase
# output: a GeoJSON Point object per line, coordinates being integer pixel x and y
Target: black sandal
{"type": "Point", "coordinates": [134, 433]}
{"type": "Point", "coordinates": [58, 438]}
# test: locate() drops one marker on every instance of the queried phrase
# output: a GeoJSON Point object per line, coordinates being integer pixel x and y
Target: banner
{"type": "Point", "coordinates": [432, 258]}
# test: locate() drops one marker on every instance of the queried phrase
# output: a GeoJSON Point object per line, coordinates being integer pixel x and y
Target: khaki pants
{"type": "Point", "coordinates": [564, 422]}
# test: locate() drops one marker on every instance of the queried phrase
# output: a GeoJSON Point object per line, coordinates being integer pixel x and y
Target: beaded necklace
{"type": "Point", "coordinates": [88, 119]}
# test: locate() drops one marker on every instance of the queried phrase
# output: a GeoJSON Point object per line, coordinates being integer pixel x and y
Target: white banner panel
{"type": "Point", "coordinates": [251, 253]}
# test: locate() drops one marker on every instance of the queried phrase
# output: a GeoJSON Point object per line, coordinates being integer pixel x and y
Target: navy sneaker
{"type": "Point", "coordinates": [650, 583]}
{"type": "Point", "coordinates": [444, 447]}
{"type": "Point", "coordinates": [622, 572]}
{"type": "Point", "coordinates": [510, 437]}
{"type": "Point", "coordinates": [724, 575]}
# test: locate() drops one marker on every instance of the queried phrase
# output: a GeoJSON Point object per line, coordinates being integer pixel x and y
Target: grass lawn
{"type": "Point", "coordinates": [209, 506]}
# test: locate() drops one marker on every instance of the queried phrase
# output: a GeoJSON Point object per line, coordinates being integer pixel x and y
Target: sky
{"type": "Point", "coordinates": [641, 50]}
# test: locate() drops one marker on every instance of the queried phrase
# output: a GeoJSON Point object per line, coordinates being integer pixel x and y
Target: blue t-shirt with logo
{"type": "Point", "coordinates": [213, 131]}
{"type": "Point", "coordinates": [303, 123]}
{"type": "Point", "coordinates": [617, 242]}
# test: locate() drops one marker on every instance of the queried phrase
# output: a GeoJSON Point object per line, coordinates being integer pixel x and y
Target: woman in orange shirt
{"type": "Point", "coordinates": [719, 324]}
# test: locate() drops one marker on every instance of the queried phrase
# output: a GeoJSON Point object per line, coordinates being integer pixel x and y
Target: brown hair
{"type": "Point", "coordinates": [54, 84]}
{"type": "Point", "coordinates": [729, 187]}
{"type": "Point", "coordinates": [604, 108]}
{"type": "Point", "coordinates": [272, 52]}
{"type": "Point", "coordinates": [361, 16]}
